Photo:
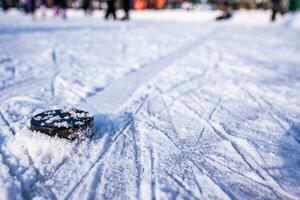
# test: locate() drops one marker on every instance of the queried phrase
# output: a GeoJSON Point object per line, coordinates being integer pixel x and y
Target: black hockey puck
{"type": "Point", "coordinates": [69, 123]}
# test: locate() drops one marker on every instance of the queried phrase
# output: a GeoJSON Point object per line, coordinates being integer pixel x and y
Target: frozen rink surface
{"type": "Point", "coordinates": [185, 107]}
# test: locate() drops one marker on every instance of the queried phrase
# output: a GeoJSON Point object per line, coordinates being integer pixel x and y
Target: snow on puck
{"type": "Point", "coordinates": [69, 123]}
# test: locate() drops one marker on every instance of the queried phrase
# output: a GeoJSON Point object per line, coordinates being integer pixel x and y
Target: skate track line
{"type": "Point", "coordinates": [115, 94]}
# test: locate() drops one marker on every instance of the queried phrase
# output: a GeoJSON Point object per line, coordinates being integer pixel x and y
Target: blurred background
{"type": "Point", "coordinates": [288, 5]}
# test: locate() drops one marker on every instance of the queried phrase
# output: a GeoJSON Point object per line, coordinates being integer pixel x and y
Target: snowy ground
{"type": "Point", "coordinates": [185, 108]}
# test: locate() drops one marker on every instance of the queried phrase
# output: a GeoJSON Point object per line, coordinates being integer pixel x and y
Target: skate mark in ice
{"type": "Point", "coordinates": [96, 182]}
{"type": "Point", "coordinates": [11, 85]}
{"type": "Point", "coordinates": [249, 158]}
{"type": "Point", "coordinates": [122, 90]}
{"type": "Point", "coordinates": [54, 58]}
{"type": "Point", "coordinates": [200, 135]}
{"type": "Point", "coordinates": [153, 173]}
{"type": "Point", "coordinates": [102, 154]}
{"type": "Point", "coordinates": [295, 132]}
{"type": "Point", "coordinates": [52, 85]}
{"type": "Point", "coordinates": [246, 156]}
{"type": "Point", "coordinates": [137, 158]}
{"type": "Point", "coordinates": [189, 80]}
{"type": "Point", "coordinates": [168, 112]}
{"type": "Point", "coordinates": [219, 185]}
{"type": "Point", "coordinates": [57, 168]}
{"type": "Point", "coordinates": [95, 91]}
{"type": "Point", "coordinates": [108, 124]}
{"type": "Point", "coordinates": [214, 109]}
{"type": "Point", "coordinates": [25, 190]}
{"type": "Point", "coordinates": [210, 174]}
{"type": "Point", "coordinates": [224, 137]}
{"type": "Point", "coordinates": [56, 72]}
{"type": "Point", "coordinates": [105, 124]}
{"type": "Point", "coordinates": [27, 85]}
{"type": "Point", "coordinates": [197, 183]}
{"type": "Point", "coordinates": [277, 112]}
{"type": "Point", "coordinates": [108, 144]}
{"type": "Point", "coordinates": [289, 151]}
{"type": "Point", "coordinates": [182, 185]}
{"type": "Point", "coordinates": [38, 186]}
{"type": "Point", "coordinates": [198, 76]}
{"type": "Point", "coordinates": [12, 73]}
{"type": "Point", "coordinates": [109, 140]}
{"type": "Point", "coordinates": [12, 130]}
{"type": "Point", "coordinates": [7, 76]}
{"type": "Point", "coordinates": [11, 169]}
{"type": "Point", "coordinates": [263, 107]}
{"type": "Point", "coordinates": [114, 125]}
{"type": "Point", "coordinates": [215, 161]}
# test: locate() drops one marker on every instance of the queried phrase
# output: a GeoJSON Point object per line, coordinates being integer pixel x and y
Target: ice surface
{"type": "Point", "coordinates": [184, 107]}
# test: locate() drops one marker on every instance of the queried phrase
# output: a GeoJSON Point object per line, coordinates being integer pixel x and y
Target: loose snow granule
{"type": "Point", "coordinates": [76, 115]}
{"type": "Point", "coordinates": [61, 124]}
{"type": "Point", "coordinates": [38, 118]}
{"type": "Point", "coordinates": [79, 123]}
{"type": "Point", "coordinates": [47, 117]}
{"type": "Point", "coordinates": [53, 119]}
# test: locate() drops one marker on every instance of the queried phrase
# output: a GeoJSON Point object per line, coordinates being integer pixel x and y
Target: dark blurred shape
{"type": "Point", "coordinates": [4, 5]}
{"type": "Point", "coordinates": [87, 7]}
{"type": "Point", "coordinates": [60, 8]}
{"type": "Point", "coordinates": [294, 5]}
{"type": "Point", "coordinates": [31, 6]}
{"type": "Point", "coordinates": [276, 8]}
{"type": "Point", "coordinates": [227, 6]}
{"type": "Point", "coordinates": [126, 8]}
{"type": "Point", "coordinates": [111, 9]}
{"type": "Point", "coordinates": [65, 123]}
{"type": "Point", "coordinates": [173, 4]}
{"type": "Point", "coordinates": [227, 13]}
{"type": "Point", "coordinates": [241, 4]}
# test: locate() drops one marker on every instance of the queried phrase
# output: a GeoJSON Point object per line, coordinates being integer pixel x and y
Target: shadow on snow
{"type": "Point", "coordinates": [289, 151]}
{"type": "Point", "coordinates": [110, 124]}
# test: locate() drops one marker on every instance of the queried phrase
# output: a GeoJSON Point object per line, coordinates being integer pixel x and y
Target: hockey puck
{"type": "Point", "coordinates": [69, 124]}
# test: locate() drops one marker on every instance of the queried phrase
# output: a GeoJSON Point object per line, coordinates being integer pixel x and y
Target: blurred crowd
{"type": "Point", "coordinates": [226, 6]}
{"type": "Point", "coordinates": [60, 6]}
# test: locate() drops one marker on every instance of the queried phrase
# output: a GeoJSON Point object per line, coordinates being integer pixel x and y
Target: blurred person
{"type": "Point", "coordinates": [87, 6]}
{"type": "Point", "coordinates": [60, 8]}
{"type": "Point", "coordinates": [276, 7]}
{"type": "Point", "coordinates": [126, 8]}
{"type": "Point", "coordinates": [4, 5]}
{"type": "Point", "coordinates": [31, 6]}
{"type": "Point", "coordinates": [111, 9]}
{"type": "Point", "coordinates": [227, 13]}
